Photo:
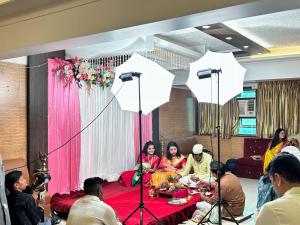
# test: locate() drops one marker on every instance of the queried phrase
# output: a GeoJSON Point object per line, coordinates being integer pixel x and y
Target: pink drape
{"type": "Point", "coordinates": [146, 132]}
{"type": "Point", "coordinates": [63, 123]}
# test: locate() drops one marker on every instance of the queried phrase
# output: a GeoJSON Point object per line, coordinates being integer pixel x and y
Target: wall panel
{"type": "Point", "coordinates": [177, 117]}
{"type": "Point", "coordinates": [230, 148]}
{"type": "Point", "coordinates": [13, 133]}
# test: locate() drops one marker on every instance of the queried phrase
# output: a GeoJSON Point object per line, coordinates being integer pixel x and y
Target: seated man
{"type": "Point", "coordinates": [292, 148]}
{"type": "Point", "coordinates": [23, 209]}
{"type": "Point", "coordinates": [232, 194]}
{"type": "Point", "coordinates": [284, 172]}
{"type": "Point", "coordinates": [90, 209]}
{"type": "Point", "coordinates": [200, 162]}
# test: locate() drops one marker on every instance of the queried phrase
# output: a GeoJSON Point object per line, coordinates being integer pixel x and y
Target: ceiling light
{"type": "Point", "coordinates": [245, 46]}
{"type": "Point", "coordinates": [259, 53]}
{"type": "Point", "coordinates": [206, 27]}
{"type": "Point", "coordinates": [5, 1]}
{"type": "Point", "coordinates": [228, 38]}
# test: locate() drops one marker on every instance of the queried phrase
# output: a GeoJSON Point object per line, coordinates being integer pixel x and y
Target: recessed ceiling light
{"type": "Point", "coordinates": [259, 53]}
{"type": "Point", "coordinates": [228, 38]}
{"type": "Point", "coordinates": [245, 46]}
{"type": "Point", "coordinates": [206, 27]}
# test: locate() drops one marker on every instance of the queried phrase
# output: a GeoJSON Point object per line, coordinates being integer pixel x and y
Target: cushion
{"type": "Point", "coordinates": [61, 203]}
{"type": "Point", "coordinates": [126, 178]}
{"type": "Point", "coordinates": [246, 215]}
{"type": "Point", "coordinates": [255, 146]}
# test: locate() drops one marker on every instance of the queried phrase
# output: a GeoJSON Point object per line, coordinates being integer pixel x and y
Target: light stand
{"type": "Point", "coordinates": [203, 74]}
{"type": "Point", "coordinates": [128, 77]}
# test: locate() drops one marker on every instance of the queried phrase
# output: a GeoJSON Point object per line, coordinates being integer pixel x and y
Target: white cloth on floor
{"type": "Point", "coordinates": [205, 207]}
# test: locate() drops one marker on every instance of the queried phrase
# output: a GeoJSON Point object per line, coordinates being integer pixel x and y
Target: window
{"type": "Point", "coordinates": [247, 126]}
{"type": "Point", "coordinates": [247, 115]}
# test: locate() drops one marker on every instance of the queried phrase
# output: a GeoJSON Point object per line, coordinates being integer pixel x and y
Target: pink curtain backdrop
{"type": "Point", "coordinates": [63, 123]}
{"type": "Point", "coordinates": [146, 132]}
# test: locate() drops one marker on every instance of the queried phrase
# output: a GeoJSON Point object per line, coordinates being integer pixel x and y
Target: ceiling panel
{"type": "Point", "coordinates": [275, 30]}
{"type": "Point", "coordinates": [197, 40]}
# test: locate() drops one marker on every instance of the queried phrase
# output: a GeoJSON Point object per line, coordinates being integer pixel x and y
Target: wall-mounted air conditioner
{"type": "Point", "coordinates": [247, 108]}
{"type": "Point", "coordinates": [249, 85]}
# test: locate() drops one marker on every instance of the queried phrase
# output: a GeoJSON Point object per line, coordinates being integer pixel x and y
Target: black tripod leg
{"type": "Point", "coordinates": [159, 222]}
{"type": "Point", "coordinates": [142, 207]}
{"type": "Point", "coordinates": [207, 214]}
{"type": "Point", "coordinates": [230, 214]}
{"type": "Point", "coordinates": [141, 215]}
{"type": "Point", "coordinates": [130, 215]}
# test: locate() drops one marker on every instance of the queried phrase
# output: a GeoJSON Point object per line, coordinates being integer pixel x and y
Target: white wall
{"type": "Point", "coordinates": [272, 69]}
{"type": "Point", "coordinates": [20, 60]}
{"type": "Point", "coordinates": [259, 70]}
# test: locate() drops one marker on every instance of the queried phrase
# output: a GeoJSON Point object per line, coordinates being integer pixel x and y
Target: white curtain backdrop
{"type": "Point", "coordinates": [107, 146]}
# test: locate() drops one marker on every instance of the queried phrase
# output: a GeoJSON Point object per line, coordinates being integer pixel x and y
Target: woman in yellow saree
{"type": "Point", "coordinates": [278, 142]}
{"type": "Point", "coordinates": [170, 163]}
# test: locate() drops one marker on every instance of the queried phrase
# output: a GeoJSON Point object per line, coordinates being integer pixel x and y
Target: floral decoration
{"type": "Point", "coordinates": [82, 70]}
{"type": "Point", "coordinates": [65, 70]}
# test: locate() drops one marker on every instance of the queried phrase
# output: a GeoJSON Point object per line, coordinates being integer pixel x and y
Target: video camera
{"type": "Point", "coordinates": [39, 181]}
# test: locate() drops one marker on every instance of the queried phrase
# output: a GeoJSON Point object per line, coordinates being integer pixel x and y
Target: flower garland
{"type": "Point", "coordinates": [64, 69]}
{"type": "Point", "coordinates": [82, 71]}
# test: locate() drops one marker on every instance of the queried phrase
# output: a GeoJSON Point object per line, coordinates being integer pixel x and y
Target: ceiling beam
{"type": "Point", "coordinates": [64, 29]}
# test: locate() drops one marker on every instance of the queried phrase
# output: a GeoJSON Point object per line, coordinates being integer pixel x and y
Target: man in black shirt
{"type": "Point", "coordinates": [22, 206]}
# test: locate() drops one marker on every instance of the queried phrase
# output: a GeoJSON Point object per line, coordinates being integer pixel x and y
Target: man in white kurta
{"type": "Point", "coordinates": [199, 161]}
{"type": "Point", "coordinates": [284, 171]}
{"type": "Point", "coordinates": [90, 209]}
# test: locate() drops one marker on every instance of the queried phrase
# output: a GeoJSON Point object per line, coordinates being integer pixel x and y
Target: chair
{"type": "Point", "coordinates": [246, 166]}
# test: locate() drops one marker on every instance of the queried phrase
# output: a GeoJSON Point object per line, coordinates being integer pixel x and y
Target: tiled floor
{"type": "Point", "coordinates": [250, 189]}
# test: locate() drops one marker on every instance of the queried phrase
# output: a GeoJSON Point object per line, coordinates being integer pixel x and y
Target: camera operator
{"type": "Point", "coordinates": [22, 207]}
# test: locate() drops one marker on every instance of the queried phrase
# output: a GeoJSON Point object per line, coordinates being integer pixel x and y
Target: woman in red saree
{"type": "Point", "coordinates": [170, 163]}
{"type": "Point", "coordinates": [150, 162]}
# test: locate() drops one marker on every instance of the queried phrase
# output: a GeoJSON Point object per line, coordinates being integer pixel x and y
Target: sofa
{"type": "Point", "coordinates": [251, 166]}
{"type": "Point", "coordinates": [14, 163]}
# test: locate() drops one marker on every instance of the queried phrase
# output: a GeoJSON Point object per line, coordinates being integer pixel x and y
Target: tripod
{"type": "Point", "coordinates": [202, 75]}
{"type": "Point", "coordinates": [141, 206]}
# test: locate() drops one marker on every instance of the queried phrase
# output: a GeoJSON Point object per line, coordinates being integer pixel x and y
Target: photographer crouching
{"type": "Point", "coordinates": [23, 208]}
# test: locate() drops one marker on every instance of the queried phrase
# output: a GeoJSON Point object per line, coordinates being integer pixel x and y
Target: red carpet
{"type": "Point", "coordinates": [124, 200]}
{"type": "Point", "coordinates": [125, 204]}
{"type": "Point", "coordinates": [115, 188]}
{"type": "Point", "coordinates": [61, 203]}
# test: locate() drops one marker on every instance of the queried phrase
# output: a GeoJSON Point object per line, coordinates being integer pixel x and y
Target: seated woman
{"type": "Point", "coordinates": [279, 141]}
{"type": "Point", "coordinates": [150, 162]}
{"type": "Point", "coordinates": [170, 163]}
{"type": "Point", "coordinates": [265, 191]}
